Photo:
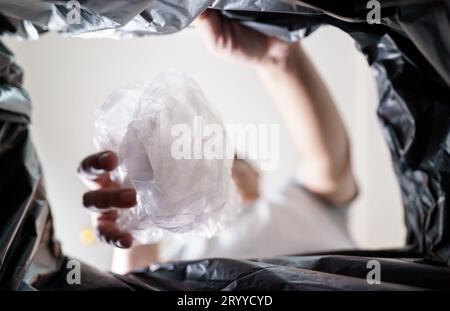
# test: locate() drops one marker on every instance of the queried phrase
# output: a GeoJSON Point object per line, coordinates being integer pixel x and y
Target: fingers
{"type": "Point", "coordinates": [104, 199]}
{"type": "Point", "coordinates": [108, 232]}
{"type": "Point", "coordinates": [94, 170]}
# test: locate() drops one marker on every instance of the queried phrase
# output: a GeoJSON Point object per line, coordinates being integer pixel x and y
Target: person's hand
{"type": "Point", "coordinates": [106, 196]}
{"type": "Point", "coordinates": [228, 38]}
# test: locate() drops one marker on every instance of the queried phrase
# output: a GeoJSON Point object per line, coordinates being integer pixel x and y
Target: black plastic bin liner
{"type": "Point", "coordinates": [409, 53]}
{"type": "Point", "coordinates": [314, 272]}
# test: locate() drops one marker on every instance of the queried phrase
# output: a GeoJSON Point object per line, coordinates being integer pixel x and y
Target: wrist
{"type": "Point", "coordinates": [283, 57]}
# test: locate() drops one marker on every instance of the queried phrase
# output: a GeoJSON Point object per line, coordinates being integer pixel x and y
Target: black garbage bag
{"type": "Point", "coordinates": [345, 271]}
{"type": "Point", "coordinates": [409, 53]}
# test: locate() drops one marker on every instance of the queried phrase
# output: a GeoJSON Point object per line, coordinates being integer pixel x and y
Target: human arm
{"type": "Point", "coordinates": [302, 98]}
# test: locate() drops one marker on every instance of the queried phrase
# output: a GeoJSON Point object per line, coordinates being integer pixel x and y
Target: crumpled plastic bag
{"type": "Point", "coordinates": [148, 124]}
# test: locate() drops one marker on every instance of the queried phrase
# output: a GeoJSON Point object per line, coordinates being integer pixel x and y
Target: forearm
{"type": "Point", "coordinates": [138, 256]}
{"type": "Point", "coordinates": [313, 121]}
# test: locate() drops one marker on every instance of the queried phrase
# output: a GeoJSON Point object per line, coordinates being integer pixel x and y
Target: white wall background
{"type": "Point", "coordinates": [68, 78]}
